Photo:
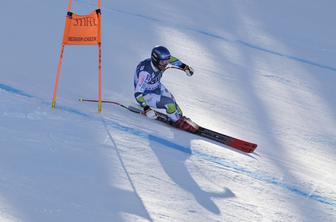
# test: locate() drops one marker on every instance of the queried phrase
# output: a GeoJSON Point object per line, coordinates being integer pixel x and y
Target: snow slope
{"type": "Point", "coordinates": [264, 72]}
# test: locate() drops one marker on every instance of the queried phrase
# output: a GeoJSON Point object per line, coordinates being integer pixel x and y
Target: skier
{"type": "Point", "coordinates": [150, 93]}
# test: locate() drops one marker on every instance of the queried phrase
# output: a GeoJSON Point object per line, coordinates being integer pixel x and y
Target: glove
{"type": "Point", "coordinates": [149, 112]}
{"type": "Point", "coordinates": [141, 100]}
{"type": "Point", "coordinates": [188, 70]}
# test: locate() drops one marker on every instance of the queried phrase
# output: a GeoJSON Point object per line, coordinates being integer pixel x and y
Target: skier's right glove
{"type": "Point", "coordinates": [149, 112]}
{"type": "Point", "coordinates": [188, 70]}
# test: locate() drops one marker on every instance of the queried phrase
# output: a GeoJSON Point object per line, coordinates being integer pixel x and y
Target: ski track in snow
{"type": "Point", "coordinates": [222, 163]}
{"type": "Point", "coordinates": [216, 36]}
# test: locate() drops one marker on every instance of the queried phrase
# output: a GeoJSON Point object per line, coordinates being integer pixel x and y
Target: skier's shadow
{"type": "Point", "coordinates": [177, 170]}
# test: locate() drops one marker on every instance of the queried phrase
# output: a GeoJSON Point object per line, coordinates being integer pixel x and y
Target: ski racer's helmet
{"type": "Point", "coordinates": [160, 57]}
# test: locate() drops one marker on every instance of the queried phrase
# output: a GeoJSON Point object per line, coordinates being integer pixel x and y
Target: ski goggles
{"type": "Point", "coordinates": [164, 62]}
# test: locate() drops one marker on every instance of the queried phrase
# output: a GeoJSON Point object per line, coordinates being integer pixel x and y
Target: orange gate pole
{"type": "Point", "coordinates": [99, 63]}
{"type": "Point", "coordinates": [70, 6]}
{"type": "Point", "coordinates": [57, 77]}
{"type": "Point", "coordinates": [53, 105]}
{"type": "Point", "coordinates": [99, 78]}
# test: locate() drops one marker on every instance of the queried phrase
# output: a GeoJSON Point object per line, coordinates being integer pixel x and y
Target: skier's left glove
{"type": "Point", "coordinates": [140, 99]}
{"type": "Point", "coordinates": [188, 70]}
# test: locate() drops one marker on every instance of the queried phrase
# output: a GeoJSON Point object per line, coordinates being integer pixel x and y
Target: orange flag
{"type": "Point", "coordinates": [82, 29]}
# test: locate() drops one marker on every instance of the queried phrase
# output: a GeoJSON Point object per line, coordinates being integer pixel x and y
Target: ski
{"type": "Point", "coordinates": [236, 143]}
{"type": "Point", "coordinates": [232, 142]}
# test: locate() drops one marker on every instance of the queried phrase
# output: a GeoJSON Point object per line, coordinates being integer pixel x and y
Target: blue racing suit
{"type": "Point", "coordinates": [148, 89]}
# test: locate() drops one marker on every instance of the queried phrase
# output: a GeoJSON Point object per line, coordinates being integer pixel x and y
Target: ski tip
{"type": "Point", "coordinates": [253, 148]}
{"type": "Point", "coordinates": [242, 145]}
{"type": "Point", "coordinates": [80, 99]}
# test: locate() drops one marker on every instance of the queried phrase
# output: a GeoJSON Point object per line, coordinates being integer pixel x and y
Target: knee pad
{"type": "Point", "coordinates": [170, 108]}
